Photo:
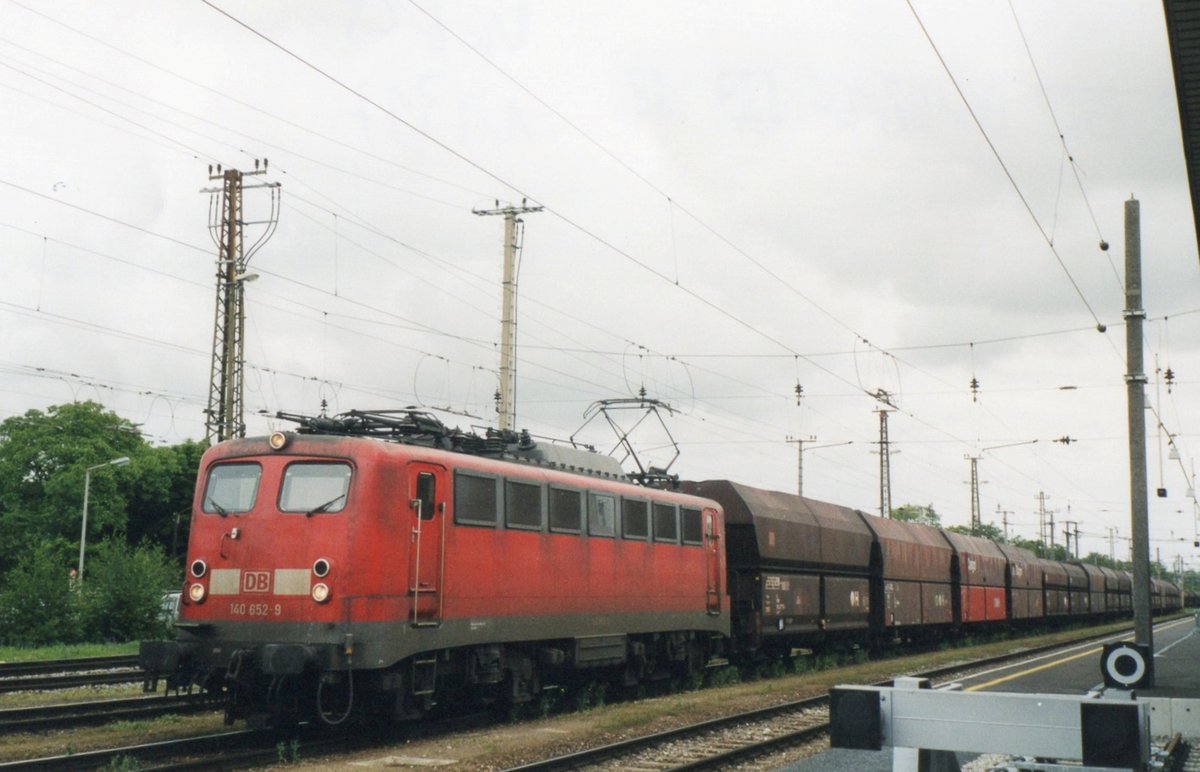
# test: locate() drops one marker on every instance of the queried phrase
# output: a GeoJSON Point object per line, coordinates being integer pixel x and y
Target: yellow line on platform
{"type": "Point", "coordinates": [1072, 658]}
{"type": "Point", "coordinates": [1046, 666]}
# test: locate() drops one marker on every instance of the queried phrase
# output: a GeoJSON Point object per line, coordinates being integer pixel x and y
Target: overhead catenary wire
{"type": "Point", "coordinates": [227, 96]}
{"type": "Point", "coordinates": [751, 258]}
{"type": "Point", "coordinates": [1004, 167]}
{"type": "Point", "coordinates": [529, 345]}
{"type": "Point", "coordinates": [672, 202]}
{"type": "Point", "coordinates": [310, 287]}
{"type": "Point", "coordinates": [202, 119]}
{"type": "Point", "coordinates": [708, 303]}
{"type": "Point", "coordinates": [1061, 134]}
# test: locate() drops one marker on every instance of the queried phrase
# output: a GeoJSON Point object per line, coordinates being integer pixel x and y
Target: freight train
{"type": "Point", "coordinates": [378, 562]}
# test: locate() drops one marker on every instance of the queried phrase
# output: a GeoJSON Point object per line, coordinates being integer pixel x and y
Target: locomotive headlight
{"type": "Point", "coordinates": [321, 568]}
{"type": "Point", "coordinates": [320, 592]}
{"type": "Point", "coordinates": [278, 440]}
{"type": "Point", "coordinates": [196, 592]}
{"type": "Point", "coordinates": [198, 568]}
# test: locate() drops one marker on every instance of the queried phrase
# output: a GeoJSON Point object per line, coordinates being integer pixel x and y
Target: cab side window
{"type": "Point", "coordinates": [523, 505]}
{"type": "Point", "coordinates": [635, 519]}
{"type": "Point", "coordinates": [476, 499]}
{"type": "Point", "coordinates": [602, 514]}
{"type": "Point", "coordinates": [666, 522]}
{"type": "Point", "coordinates": [566, 510]}
{"type": "Point", "coordinates": [692, 529]}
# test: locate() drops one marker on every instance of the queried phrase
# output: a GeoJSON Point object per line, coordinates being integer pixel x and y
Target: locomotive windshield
{"type": "Point", "coordinates": [231, 488]}
{"type": "Point", "coordinates": [313, 488]}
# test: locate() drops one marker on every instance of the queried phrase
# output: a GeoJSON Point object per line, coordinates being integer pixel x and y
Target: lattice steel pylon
{"type": "Point", "coordinates": [224, 417]}
{"type": "Point", "coordinates": [885, 454]}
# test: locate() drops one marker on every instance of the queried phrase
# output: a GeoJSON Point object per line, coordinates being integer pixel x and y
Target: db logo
{"type": "Point", "coordinates": [256, 581]}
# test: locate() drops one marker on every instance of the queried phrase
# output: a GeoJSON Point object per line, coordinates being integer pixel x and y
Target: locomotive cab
{"type": "Point", "coordinates": [271, 575]}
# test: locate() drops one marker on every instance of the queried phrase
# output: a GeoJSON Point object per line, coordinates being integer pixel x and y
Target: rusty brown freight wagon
{"type": "Point", "coordinates": [1025, 601]}
{"type": "Point", "coordinates": [977, 573]}
{"type": "Point", "coordinates": [913, 562]}
{"type": "Point", "coordinates": [798, 568]}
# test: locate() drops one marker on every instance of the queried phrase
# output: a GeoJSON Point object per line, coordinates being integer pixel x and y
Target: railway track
{"type": "Point", "coordinates": [741, 738]}
{"type": "Point", "coordinates": [242, 749]}
{"type": "Point", "coordinates": [713, 744]}
{"type": "Point", "coordinates": [224, 750]}
{"type": "Point", "coordinates": [69, 673]}
{"type": "Point", "coordinates": [96, 712]}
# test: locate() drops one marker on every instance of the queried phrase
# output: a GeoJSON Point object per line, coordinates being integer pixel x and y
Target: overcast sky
{"type": "Point", "coordinates": [739, 199]}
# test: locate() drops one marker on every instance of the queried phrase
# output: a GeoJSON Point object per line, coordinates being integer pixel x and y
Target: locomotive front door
{"type": "Point", "coordinates": [712, 556]}
{"type": "Point", "coordinates": [427, 512]}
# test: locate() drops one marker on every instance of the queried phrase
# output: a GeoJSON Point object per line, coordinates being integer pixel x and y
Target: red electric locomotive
{"type": "Point", "coordinates": [379, 561]}
{"type": "Point", "coordinates": [329, 570]}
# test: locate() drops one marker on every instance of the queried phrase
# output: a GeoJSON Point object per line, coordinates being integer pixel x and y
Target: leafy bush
{"type": "Point", "coordinates": [121, 597]}
{"type": "Point", "coordinates": [37, 602]}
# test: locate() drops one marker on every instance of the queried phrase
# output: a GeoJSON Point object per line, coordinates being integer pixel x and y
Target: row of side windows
{"type": "Point", "coordinates": [486, 500]}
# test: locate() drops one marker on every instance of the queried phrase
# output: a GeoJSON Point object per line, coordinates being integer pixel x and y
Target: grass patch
{"type": "Point", "coordinates": [81, 694]}
{"type": "Point", "coordinates": [25, 745]}
{"type": "Point", "coordinates": [65, 651]}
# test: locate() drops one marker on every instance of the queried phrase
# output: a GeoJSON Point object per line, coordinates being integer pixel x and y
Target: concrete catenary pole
{"type": "Point", "coordinates": [514, 228]}
{"type": "Point", "coordinates": [976, 517]}
{"type": "Point", "coordinates": [1135, 381]}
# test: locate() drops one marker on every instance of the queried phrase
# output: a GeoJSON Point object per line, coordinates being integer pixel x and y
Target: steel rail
{"type": "Point", "coordinates": [94, 712]}
{"type": "Point", "coordinates": [46, 666]}
{"type": "Point", "coordinates": [592, 756]}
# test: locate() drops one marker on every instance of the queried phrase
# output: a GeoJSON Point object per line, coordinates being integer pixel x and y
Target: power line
{"type": "Point", "coordinates": [593, 235]}
{"type": "Point", "coordinates": [196, 153]}
{"type": "Point", "coordinates": [101, 216]}
{"type": "Point", "coordinates": [778, 279]}
{"type": "Point", "coordinates": [230, 98]}
{"type": "Point", "coordinates": [1003, 166]}
{"type": "Point", "coordinates": [585, 231]}
{"type": "Point", "coordinates": [1062, 138]}
{"type": "Point", "coordinates": [790, 355]}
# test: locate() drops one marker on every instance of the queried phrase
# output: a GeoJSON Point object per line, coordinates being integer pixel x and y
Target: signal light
{"type": "Point", "coordinates": [278, 440]}
{"type": "Point", "coordinates": [320, 592]}
{"type": "Point", "coordinates": [196, 593]}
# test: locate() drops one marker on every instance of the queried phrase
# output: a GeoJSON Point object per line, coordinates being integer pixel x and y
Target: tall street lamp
{"type": "Point", "coordinates": [87, 482]}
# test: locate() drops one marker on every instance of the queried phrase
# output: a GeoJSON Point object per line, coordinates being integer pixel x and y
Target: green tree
{"type": "Point", "coordinates": [986, 530]}
{"type": "Point", "coordinates": [914, 513]}
{"type": "Point", "coordinates": [43, 458]}
{"type": "Point", "coordinates": [160, 499]}
{"type": "Point", "coordinates": [1098, 559]}
{"type": "Point", "coordinates": [1032, 545]}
